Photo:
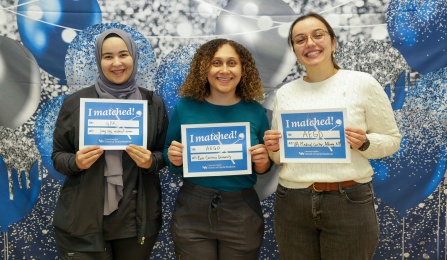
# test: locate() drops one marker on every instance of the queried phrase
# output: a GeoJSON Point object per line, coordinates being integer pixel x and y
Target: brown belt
{"type": "Point", "coordinates": [330, 186]}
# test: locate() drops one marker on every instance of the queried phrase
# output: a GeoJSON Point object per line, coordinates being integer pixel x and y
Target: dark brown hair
{"type": "Point", "coordinates": [321, 19]}
{"type": "Point", "coordinates": [196, 85]}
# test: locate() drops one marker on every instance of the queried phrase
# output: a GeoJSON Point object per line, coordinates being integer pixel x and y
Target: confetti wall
{"type": "Point", "coordinates": [46, 53]}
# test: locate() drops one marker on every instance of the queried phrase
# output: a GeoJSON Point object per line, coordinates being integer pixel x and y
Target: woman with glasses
{"type": "Point", "coordinates": [325, 210]}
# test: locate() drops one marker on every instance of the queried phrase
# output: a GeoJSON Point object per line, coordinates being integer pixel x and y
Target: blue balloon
{"type": "Point", "coordinates": [430, 94]}
{"type": "Point", "coordinates": [408, 177]}
{"type": "Point", "coordinates": [171, 74]}
{"type": "Point", "coordinates": [46, 27]}
{"type": "Point", "coordinates": [415, 29]}
{"type": "Point", "coordinates": [43, 133]}
{"type": "Point", "coordinates": [17, 204]}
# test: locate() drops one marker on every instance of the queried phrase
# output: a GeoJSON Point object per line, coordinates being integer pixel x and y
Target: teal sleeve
{"type": "Point", "coordinates": [264, 127]}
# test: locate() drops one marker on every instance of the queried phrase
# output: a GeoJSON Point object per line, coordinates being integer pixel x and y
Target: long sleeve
{"type": "Point", "coordinates": [161, 125]}
{"type": "Point", "coordinates": [66, 139]}
{"type": "Point", "coordinates": [381, 127]}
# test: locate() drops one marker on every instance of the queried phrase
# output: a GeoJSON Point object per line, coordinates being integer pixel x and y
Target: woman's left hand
{"type": "Point", "coordinates": [356, 137]}
{"type": "Point", "coordinates": [260, 157]}
{"type": "Point", "coordinates": [141, 156]}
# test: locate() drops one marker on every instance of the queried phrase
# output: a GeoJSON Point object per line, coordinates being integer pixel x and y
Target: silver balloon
{"type": "Point", "coordinates": [19, 83]}
{"type": "Point", "coordinates": [262, 27]}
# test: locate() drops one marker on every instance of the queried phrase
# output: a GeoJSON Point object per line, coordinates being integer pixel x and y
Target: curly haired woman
{"type": "Point", "coordinates": [219, 217]}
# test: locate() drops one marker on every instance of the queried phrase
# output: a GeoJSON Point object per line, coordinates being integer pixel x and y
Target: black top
{"type": "Point", "coordinates": [78, 219]}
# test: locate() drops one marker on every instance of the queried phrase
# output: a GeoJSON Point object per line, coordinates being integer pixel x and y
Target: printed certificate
{"type": "Point", "coordinates": [112, 124]}
{"type": "Point", "coordinates": [313, 136]}
{"type": "Point", "coordinates": [216, 149]}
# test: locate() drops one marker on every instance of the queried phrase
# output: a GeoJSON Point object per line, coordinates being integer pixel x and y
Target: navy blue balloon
{"type": "Point", "coordinates": [24, 199]}
{"type": "Point", "coordinates": [43, 133]}
{"type": "Point", "coordinates": [171, 74]}
{"type": "Point", "coordinates": [46, 27]}
{"type": "Point", "coordinates": [415, 28]}
{"type": "Point", "coordinates": [408, 177]}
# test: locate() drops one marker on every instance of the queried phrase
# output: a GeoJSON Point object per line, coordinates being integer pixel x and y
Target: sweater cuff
{"type": "Point", "coordinates": [72, 165]}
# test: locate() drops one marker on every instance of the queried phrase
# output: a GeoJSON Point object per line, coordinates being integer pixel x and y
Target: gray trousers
{"type": "Point", "coordinates": [315, 225]}
{"type": "Point", "coordinates": [211, 224]}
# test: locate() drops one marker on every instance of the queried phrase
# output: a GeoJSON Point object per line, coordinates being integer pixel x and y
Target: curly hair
{"type": "Point", "coordinates": [196, 85]}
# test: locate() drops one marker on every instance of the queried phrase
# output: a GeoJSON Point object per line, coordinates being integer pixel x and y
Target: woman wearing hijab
{"type": "Point", "coordinates": [110, 204]}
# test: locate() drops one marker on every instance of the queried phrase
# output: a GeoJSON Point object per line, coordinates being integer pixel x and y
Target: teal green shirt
{"type": "Point", "coordinates": [188, 111]}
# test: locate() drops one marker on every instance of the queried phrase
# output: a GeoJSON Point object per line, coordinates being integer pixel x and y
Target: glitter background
{"type": "Point", "coordinates": [400, 42]}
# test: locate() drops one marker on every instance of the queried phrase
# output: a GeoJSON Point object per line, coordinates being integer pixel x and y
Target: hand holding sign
{"type": "Point", "coordinates": [141, 156]}
{"type": "Point", "coordinates": [175, 153]}
{"type": "Point", "coordinates": [87, 156]}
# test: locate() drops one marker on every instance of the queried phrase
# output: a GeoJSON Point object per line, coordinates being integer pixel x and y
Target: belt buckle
{"type": "Point", "coordinates": [315, 189]}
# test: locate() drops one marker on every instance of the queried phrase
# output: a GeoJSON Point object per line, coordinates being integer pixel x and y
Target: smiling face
{"type": "Point", "coordinates": [116, 61]}
{"type": "Point", "coordinates": [314, 53]}
{"type": "Point", "coordinates": [225, 72]}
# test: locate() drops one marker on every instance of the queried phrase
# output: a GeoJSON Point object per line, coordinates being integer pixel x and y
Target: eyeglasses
{"type": "Point", "coordinates": [317, 37]}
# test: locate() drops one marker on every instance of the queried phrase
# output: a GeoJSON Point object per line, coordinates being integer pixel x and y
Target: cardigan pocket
{"type": "Point", "coordinates": [64, 213]}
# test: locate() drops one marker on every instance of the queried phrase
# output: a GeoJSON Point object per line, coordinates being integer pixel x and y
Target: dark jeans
{"type": "Point", "coordinates": [336, 225]}
{"type": "Point", "coordinates": [119, 249]}
{"type": "Point", "coordinates": [211, 224]}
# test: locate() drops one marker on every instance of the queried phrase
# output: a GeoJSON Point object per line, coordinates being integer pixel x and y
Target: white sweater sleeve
{"type": "Point", "coordinates": [275, 156]}
{"type": "Point", "coordinates": [382, 130]}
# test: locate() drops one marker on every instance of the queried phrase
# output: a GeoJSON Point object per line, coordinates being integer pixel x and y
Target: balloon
{"type": "Point", "coordinates": [262, 26]}
{"type": "Point", "coordinates": [406, 178]}
{"type": "Point", "coordinates": [43, 133]}
{"type": "Point", "coordinates": [46, 27]}
{"type": "Point", "coordinates": [20, 177]}
{"type": "Point", "coordinates": [171, 74]}
{"type": "Point", "coordinates": [24, 196]}
{"type": "Point", "coordinates": [430, 94]}
{"type": "Point", "coordinates": [19, 83]}
{"type": "Point", "coordinates": [416, 30]}
{"type": "Point", "coordinates": [80, 63]}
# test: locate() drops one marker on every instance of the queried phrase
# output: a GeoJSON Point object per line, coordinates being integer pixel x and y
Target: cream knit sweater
{"type": "Point", "coordinates": [368, 108]}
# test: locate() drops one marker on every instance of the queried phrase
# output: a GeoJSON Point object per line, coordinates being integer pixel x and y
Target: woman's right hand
{"type": "Point", "coordinates": [271, 140]}
{"type": "Point", "coordinates": [175, 153]}
{"type": "Point", "coordinates": [87, 156]}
